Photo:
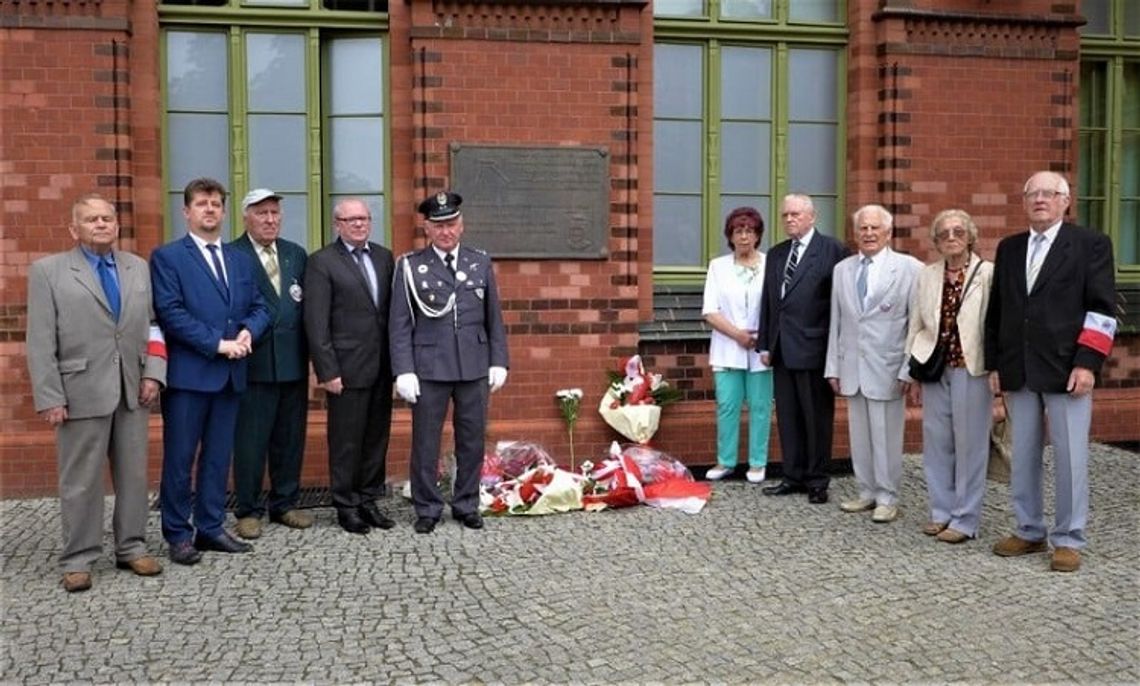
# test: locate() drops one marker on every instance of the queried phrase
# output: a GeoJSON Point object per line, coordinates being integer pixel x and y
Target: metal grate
{"type": "Point", "coordinates": [308, 498]}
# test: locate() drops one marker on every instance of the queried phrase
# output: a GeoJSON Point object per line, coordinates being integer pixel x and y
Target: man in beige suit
{"type": "Point", "coordinates": [96, 364]}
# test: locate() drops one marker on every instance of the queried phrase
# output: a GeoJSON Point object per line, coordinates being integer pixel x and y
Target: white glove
{"type": "Point", "coordinates": [408, 387]}
{"type": "Point", "coordinates": [496, 377]}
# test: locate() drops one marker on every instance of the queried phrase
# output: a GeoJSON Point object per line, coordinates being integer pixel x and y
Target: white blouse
{"type": "Point", "coordinates": [737, 298]}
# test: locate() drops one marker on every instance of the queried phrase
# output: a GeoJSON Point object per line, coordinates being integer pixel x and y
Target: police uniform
{"type": "Point", "coordinates": [447, 328]}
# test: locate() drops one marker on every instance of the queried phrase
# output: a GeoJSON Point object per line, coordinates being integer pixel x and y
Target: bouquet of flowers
{"type": "Point", "coordinates": [632, 403]}
{"type": "Point", "coordinates": [521, 478]}
{"type": "Point", "coordinates": [637, 474]}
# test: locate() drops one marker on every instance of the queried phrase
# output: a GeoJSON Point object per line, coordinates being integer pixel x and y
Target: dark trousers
{"type": "Point", "coordinates": [193, 420]}
{"type": "Point", "coordinates": [805, 414]}
{"type": "Point", "coordinates": [469, 421]}
{"type": "Point", "coordinates": [270, 429]}
{"type": "Point", "coordinates": [360, 420]}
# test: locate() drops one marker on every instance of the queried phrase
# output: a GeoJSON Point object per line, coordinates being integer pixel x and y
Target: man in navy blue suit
{"type": "Point", "coordinates": [211, 312]}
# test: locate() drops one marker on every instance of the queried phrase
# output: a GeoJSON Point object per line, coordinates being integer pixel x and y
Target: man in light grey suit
{"type": "Point", "coordinates": [866, 357]}
{"type": "Point", "coordinates": [96, 363]}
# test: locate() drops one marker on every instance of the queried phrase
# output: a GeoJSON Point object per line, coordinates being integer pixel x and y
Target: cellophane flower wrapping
{"type": "Point", "coordinates": [517, 457]}
{"type": "Point", "coordinates": [640, 474]}
{"type": "Point", "coordinates": [520, 478]}
{"type": "Point", "coordinates": [637, 423]}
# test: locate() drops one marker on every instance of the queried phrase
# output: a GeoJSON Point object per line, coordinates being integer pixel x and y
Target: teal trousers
{"type": "Point", "coordinates": [734, 388]}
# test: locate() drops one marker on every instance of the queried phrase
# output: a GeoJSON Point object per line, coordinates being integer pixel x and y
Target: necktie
{"type": "Point", "coordinates": [110, 286]}
{"type": "Point", "coordinates": [361, 255]}
{"type": "Point", "coordinates": [1035, 260]}
{"type": "Point", "coordinates": [272, 269]}
{"type": "Point", "coordinates": [449, 260]}
{"type": "Point", "coordinates": [793, 260]}
{"type": "Point", "coordinates": [861, 281]}
{"type": "Point", "coordinates": [218, 271]}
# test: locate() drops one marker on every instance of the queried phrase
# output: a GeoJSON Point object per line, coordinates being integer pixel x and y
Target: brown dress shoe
{"type": "Point", "coordinates": [1066, 560]}
{"type": "Point", "coordinates": [952, 536]}
{"type": "Point", "coordinates": [248, 527]}
{"type": "Point", "coordinates": [73, 582]}
{"type": "Point", "coordinates": [934, 528]}
{"type": "Point", "coordinates": [143, 566]}
{"type": "Point", "coordinates": [1012, 546]}
{"type": "Point", "coordinates": [294, 519]}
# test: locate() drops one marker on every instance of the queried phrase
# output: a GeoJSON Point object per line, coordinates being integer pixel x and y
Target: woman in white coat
{"type": "Point", "coordinates": [949, 309]}
{"type": "Point", "coordinates": [733, 290]}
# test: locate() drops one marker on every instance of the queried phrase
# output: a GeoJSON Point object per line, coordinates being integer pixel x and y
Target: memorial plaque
{"type": "Point", "coordinates": [533, 202]}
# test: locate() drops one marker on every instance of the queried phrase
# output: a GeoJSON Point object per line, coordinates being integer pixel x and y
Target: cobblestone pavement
{"type": "Point", "coordinates": [753, 589]}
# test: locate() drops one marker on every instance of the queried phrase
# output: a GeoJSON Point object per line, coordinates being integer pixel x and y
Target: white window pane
{"type": "Point", "coordinates": [677, 82]}
{"type": "Point", "coordinates": [295, 219]}
{"type": "Point", "coordinates": [199, 146]}
{"type": "Point", "coordinates": [746, 83]}
{"type": "Point", "coordinates": [679, 8]}
{"type": "Point", "coordinates": [277, 151]}
{"type": "Point", "coordinates": [811, 157]}
{"type": "Point", "coordinates": [746, 9]}
{"type": "Point", "coordinates": [677, 231]}
{"type": "Point", "coordinates": [677, 156]}
{"type": "Point", "coordinates": [745, 154]}
{"type": "Point", "coordinates": [812, 84]}
{"type": "Point", "coordinates": [196, 69]}
{"type": "Point", "coordinates": [825, 219]}
{"type": "Point", "coordinates": [275, 72]}
{"type": "Point", "coordinates": [357, 160]}
{"type": "Point", "coordinates": [376, 207]}
{"type": "Point", "coordinates": [761, 204]}
{"type": "Point", "coordinates": [814, 10]}
{"type": "Point", "coordinates": [355, 75]}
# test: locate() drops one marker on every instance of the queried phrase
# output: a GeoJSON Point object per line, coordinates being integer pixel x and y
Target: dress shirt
{"type": "Point", "coordinates": [1050, 236]}
{"type": "Point", "coordinates": [209, 260]}
{"type": "Point", "coordinates": [875, 273]}
{"type": "Point", "coordinates": [94, 260]}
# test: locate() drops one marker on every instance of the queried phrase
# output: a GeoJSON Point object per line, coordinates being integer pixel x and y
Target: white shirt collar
{"type": "Point", "coordinates": [202, 243]}
{"type": "Point", "coordinates": [442, 254]}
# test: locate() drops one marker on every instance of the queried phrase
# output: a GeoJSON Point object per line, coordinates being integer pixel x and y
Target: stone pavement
{"type": "Point", "coordinates": [753, 589]}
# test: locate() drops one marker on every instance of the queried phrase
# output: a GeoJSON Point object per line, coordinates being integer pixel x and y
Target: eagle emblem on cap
{"type": "Point", "coordinates": [441, 198]}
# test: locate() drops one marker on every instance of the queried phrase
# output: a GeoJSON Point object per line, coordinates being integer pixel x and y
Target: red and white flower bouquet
{"type": "Point", "coordinates": [632, 403]}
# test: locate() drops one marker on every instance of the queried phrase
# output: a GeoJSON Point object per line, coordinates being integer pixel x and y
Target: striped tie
{"type": "Point", "coordinates": [1035, 260]}
{"type": "Point", "coordinates": [793, 260]}
{"type": "Point", "coordinates": [272, 269]}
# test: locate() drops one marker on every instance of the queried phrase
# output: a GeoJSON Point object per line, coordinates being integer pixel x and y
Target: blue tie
{"type": "Point", "coordinates": [861, 281]}
{"type": "Point", "coordinates": [218, 271]}
{"type": "Point", "coordinates": [110, 286]}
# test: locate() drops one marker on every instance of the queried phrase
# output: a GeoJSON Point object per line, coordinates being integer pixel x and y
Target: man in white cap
{"type": "Point", "coordinates": [272, 414]}
{"type": "Point", "coordinates": [448, 345]}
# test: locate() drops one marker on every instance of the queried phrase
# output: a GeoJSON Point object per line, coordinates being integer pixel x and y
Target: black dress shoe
{"type": "Point", "coordinates": [424, 525]}
{"type": "Point", "coordinates": [184, 553]}
{"type": "Point", "coordinates": [471, 520]}
{"type": "Point", "coordinates": [222, 543]}
{"type": "Point", "coordinates": [782, 488]}
{"type": "Point", "coordinates": [817, 496]}
{"type": "Point", "coordinates": [351, 522]}
{"type": "Point", "coordinates": [374, 517]}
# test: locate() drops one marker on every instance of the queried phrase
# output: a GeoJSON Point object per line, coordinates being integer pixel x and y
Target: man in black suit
{"type": "Point", "coordinates": [347, 291]}
{"type": "Point", "coordinates": [449, 347]}
{"type": "Point", "coordinates": [1049, 329]}
{"type": "Point", "coordinates": [794, 318]}
{"type": "Point", "coordinates": [271, 415]}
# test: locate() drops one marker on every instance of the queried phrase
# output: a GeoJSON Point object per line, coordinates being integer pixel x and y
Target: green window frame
{"type": "Point", "coordinates": [326, 59]}
{"type": "Point", "coordinates": [1108, 186]}
{"type": "Point", "coordinates": [757, 48]}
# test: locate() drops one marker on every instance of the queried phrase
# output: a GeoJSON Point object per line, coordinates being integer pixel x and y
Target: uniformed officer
{"type": "Point", "coordinates": [448, 344]}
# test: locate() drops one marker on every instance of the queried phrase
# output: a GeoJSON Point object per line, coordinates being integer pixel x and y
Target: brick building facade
{"type": "Point", "coordinates": [946, 103]}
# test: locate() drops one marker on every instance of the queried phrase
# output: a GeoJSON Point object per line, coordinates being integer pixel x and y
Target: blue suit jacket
{"type": "Point", "coordinates": [195, 314]}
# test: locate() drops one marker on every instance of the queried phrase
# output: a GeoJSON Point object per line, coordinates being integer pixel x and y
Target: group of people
{"type": "Point", "coordinates": [224, 333]}
{"type": "Point", "coordinates": [808, 322]}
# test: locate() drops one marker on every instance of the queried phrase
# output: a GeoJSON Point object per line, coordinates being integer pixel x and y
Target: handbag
{"type": "Point", "coordinates": [931, 370]}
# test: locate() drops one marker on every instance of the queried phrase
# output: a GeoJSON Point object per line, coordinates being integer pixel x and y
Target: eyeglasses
{"type": "Point", "coordinates": [356, 219]}
{"type": "Point", "coordinates": [956, 232]}
{"type": "Point", "coordinates": [743, 230]}
{"type": "Point", "coordinates": [1043, 194]}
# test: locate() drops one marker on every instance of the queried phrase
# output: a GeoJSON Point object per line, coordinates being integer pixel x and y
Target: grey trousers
{"type": "Point", "coordinates": [957, 413]}
{"type": "Point", "coordinates": [876, 428]}
{"type": "Point", "coordinates": [1068, 426]}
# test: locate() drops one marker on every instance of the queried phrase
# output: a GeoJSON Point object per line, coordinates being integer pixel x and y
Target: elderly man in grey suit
{"type": "Point", "coordinates": [96, 364]}
{"type": "Point", "coordinates": [866, 358]}
{"type": "Point", "coordinates": [448, 346]}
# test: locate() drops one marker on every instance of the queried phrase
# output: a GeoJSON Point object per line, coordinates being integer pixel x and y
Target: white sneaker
{"type": "Point", "coordinates": [885, 513]}
{"type": "Point", "coordinates": [755, 476]}
{"type": "Point", "coordinates": [857, 505]}
{"type": "Point", "coordinates": [718, 472]}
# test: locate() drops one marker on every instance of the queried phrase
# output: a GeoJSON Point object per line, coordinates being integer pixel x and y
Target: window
{"type": "Point", "coordinates": [1108, 186]}
{"type": "Point", "coordinates": [257, 103]}
{"type": "Point", "coordinates": [747, 108]}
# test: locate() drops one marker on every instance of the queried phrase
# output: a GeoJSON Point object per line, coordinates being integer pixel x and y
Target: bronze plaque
{"type": "Point", "coordinates": [534, 202]}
